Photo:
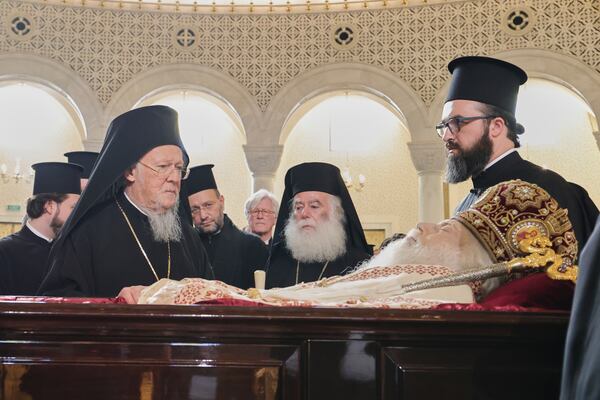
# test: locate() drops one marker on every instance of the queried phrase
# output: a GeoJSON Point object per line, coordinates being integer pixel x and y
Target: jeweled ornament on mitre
{"type": "Point", "coordinates": [516, 219]}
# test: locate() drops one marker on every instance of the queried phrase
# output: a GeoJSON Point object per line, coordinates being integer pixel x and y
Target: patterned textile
{"type": "Point", "coordinates": [378, 287]}
{"type": "Point", "coordinates": [506, 213]}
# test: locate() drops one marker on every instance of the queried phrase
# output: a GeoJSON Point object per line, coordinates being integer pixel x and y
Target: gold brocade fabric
{"type": "Point", "coordinates": [505, 214]}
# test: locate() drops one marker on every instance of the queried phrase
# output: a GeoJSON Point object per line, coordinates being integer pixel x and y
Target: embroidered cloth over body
{"type": "Point", "coordinates": [377, 287]}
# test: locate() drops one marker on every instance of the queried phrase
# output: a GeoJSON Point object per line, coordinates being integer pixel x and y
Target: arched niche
{"type": "Point", "coordinates": [361, 133]}
{"type": "Point", "coordinates": [38, 125]}
{"type": "Point", "coordinates": [348, 76]}
{"type": "Point", "coordinates": [73, 91]}
{"type": "Point", "coordinates": [195, 77]}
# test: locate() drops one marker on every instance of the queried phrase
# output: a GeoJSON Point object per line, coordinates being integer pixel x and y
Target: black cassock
{"type": "Point", "coordinates": [283, 268]}
{"type": "Point", "coordinates": [235, 255]}
{"type": "Point", "coordinates": [23, 257]}
{"type": "Point", "coordinates": [101, 255]}
{"type": "Point", "coordinates": [582, 210]}
{"type": "Point", "coordinates": [581, 368]}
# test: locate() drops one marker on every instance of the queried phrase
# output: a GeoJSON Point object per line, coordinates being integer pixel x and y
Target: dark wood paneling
{"type": "Point", "coordinates": [121, 370]}
{"type": "Point", "coordinates": [342, 370]}
{"type": "Point", "coordinates": [492, 371]}
{"type": "Point", "coordinates": [87, 351]}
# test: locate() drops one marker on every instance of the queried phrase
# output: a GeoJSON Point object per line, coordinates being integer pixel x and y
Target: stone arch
{"type": "Point", "coordinates": [336, 77]}
{"type": "Point", "coordinates": [53, 75]}
{"type": "Point", "coordinates": [196, 77]}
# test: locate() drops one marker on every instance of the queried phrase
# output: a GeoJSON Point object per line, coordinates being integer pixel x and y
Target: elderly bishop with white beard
{"type": "Point", "coordinates": [318, 233]}
{"type": "Point", "coordinates": [128, 228]}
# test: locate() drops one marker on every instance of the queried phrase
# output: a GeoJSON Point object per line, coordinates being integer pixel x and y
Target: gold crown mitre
{"type": "Point", "coordinates": [520, 223]}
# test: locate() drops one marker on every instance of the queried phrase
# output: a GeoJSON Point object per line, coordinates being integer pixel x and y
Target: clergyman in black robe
{"type": "Point", "coordinates": [111, 240]}
{"type": "Point", "coordinates": [24, 254]}
{"type": "Point", "coordinates": [233, 254]}
{"type": "Point", "coordinates": [305, 185]}
{"type": "Point", "coordinates": [581, 367]}
{"type": "Point", "coordinates": [481, 135]}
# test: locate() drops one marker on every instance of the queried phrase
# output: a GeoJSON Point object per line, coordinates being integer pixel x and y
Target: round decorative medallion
{"type": "Point", "coordinates": [185, 38]}
{"type": "Point", "coordinates": [518, 21]}
{"type": "Point", "coordinates": [20, 26]}
{"type": "Point", "coordinates": [344, 37]}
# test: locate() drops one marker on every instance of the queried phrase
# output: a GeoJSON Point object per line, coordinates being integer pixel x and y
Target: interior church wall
{"type": "Point", "coordinates": [105, 59]}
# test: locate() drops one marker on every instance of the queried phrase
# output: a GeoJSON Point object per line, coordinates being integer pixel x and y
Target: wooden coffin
{"type": "Point", "coordinates": [110, 351]}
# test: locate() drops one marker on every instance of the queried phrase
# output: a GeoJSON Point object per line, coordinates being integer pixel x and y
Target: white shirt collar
{"type": "Point", "coordinates": [38, 233]}
{"type": "Point", "coordinates": [500, 157]}
{"type": "Point", "coordinates": [135, 205]}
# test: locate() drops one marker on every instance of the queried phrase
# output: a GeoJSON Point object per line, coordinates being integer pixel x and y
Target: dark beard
{"type": "Point", "coordinates": [56, 225]}
{"type": "Point", "coordinates": [468, 163]}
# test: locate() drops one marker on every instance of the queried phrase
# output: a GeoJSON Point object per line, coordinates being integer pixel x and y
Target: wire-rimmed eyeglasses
{"type": "Point", "coordinates": [166, 170]}
{"type": "Point", "coordinates": [455, 124]}
{"type": "Point", "coordinates": [255, 212]}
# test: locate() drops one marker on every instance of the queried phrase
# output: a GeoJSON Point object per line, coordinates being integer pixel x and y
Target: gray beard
{"type": "Point", "coordinates": [165, 227]}
{"type": "Point", "coordinates": [326, 243]}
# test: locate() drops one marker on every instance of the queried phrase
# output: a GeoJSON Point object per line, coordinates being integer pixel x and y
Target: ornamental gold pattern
{"type": "Point", "coordinates": [517, 219]}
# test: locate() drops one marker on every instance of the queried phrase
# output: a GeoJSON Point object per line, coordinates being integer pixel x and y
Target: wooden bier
{"type": "Point", "coordinates": [83, 351]}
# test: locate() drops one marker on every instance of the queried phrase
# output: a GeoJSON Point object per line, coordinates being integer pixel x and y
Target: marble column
{"type": "Point", "coordinates": [263, 162]}
{"type": "Point", "coordinates": [429, 159]}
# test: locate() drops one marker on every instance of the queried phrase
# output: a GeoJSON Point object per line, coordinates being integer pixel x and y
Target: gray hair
{"type": "Point", "coordinates": [257, 197]}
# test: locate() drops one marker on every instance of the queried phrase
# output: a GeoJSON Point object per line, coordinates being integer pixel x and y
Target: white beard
{"type": "Point", "coordinates": [405, 251]}
{"type": "Point", "coordinates": [326, 243]}
{"type": "Point", "coordinates": [166, 227]}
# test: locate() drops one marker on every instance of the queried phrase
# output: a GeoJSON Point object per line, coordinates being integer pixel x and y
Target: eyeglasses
{"type": "Point", "coordinates": [455, 124]}
{"type": "Point", "coordinates": [166, 170]}
{"type": "Point", "coordinates": [261, 211]}
{"type": "Point", "coordinates": [204, 207]}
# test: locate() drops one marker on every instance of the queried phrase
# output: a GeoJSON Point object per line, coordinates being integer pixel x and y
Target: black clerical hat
{"type": "Point", "coordinates": [486, 80]}
{"type": "Point", "coordinates": [315, 176]}
{"type": "Point", "coordinates": [318, 177]}
{"type": "Point", "coordinates": [201, 178]}
{"type": "Point", "coordinates": [57, 177]}
{"type": "Point", "coordinates": [130, 136]}
{"type": "Point", "coordinates": [84, 158]}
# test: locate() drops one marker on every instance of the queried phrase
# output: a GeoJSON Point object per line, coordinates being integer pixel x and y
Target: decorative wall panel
{"type": "Point", "coordinates": [264, 52]}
